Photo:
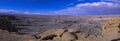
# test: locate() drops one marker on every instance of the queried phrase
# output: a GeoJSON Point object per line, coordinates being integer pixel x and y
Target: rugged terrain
{"type": "Point", "coordinates": [59, 28]}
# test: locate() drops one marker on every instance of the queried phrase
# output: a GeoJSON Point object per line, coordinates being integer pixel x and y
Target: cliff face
{"type": "Point", "coordinates": [39, 24]}
{"type": "Point", "coordinates": [6, 24]}
{"type": "Point", "coordinates": [112, 24]}
{"type": "Point", "coordinates": [28, 24]}
{"type": "Point", "coordinates": [111, 28]}
{"type": "Point", "coordinates": [110, 32]}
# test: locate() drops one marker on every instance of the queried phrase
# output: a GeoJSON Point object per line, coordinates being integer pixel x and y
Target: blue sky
{"type": "Point", "coordinates": [61, 7]}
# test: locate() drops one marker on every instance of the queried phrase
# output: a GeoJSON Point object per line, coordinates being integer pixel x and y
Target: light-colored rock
{"type": "Point", "coordinates": [79, 40]}
{"type": "Point", "coordinates": [59, 32]}
{"type": "Point", "coordinates": [109, 25]}
{"type": "Point", "coordinates": [82, 35]}
{"type": "Point", "coordinates": [47, 33]}
{"type": "Point", "coordinates": [68, 36]}
{"type": "Point", "coordinates": [110, 29]}
{"type": "Point", "coordinates": [57, 39]}
{"type": "Point", "coordinates": [46, 40]}
{"type": "Point", "coordinates": [73, 30]}
{"type": "Point", "coordinates": [92, 38]}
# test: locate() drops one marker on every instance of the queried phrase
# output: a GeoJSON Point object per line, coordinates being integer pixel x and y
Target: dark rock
{"type": "Point", "coordinates": [6, 24]}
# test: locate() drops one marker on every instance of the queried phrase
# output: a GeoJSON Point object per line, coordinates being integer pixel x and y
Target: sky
{"type": "Point", "coordinates": [60, 7]}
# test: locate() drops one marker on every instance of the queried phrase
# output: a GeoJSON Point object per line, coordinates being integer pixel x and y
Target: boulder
{"type": "Point", "coordinates": [67, 36]}
{"type": "Point", "coordinates": [82, 35]}
{"type": "Point", "coordinates": [57, 39]}
{"type": "Point", "coordinates": [73, 30]}
{"type": "Point", "coordinates": [47, 34]}
{"type": "Point", "coordinates": [59, 32]}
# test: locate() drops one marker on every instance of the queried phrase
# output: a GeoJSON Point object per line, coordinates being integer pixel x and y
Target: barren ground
{"type": "Point", "coordinates": [29, 27]}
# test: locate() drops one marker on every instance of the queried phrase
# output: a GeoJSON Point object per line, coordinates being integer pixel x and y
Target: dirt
{"type": "Point", "coordinates": [13, 36]}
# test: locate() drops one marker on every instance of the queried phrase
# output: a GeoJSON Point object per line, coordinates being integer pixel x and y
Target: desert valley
{"type": "Point", "coordinates": [59, 28]}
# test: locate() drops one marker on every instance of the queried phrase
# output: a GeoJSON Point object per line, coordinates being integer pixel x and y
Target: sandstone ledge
{"type": "Point", "coordinates": [110, 32]}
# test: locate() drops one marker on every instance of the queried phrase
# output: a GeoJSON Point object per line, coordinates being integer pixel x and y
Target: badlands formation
{"type": "Point", "coordinates": [59, 28]}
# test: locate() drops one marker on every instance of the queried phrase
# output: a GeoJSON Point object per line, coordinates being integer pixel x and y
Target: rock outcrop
{"type": "Point", "coordinates": [111, 28]}
{"type": "Point", "coordinates": [110, 32]}
{"type": "Point", "coordinates": [111, 25]}
{"type": "Point", "coordinates": [6, 24]}
{"type": "Point", "coordinates": [30, 24]}
{"type": "Point", "coordinates": [64, 35]}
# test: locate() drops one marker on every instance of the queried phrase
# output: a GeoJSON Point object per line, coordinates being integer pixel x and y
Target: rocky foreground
{"type": "Point", "coordinates": [57, 28]}
{"type": "Point", "coordinates": [110, 32]}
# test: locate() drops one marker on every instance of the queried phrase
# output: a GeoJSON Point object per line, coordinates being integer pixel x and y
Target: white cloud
{"type": "Point", "coordinates": [16, 12]}
{"type": "Point", "coordinates": [80, 9]}
{"type": "Point", "coordinates": [91, 8]}
{"type": "Point", "coordinates": [113, 1]}
{"type": "Point", "coordinates": [95, 4]}
{"type": "Point", "coordinates": [6, 10]}
{"type": "Point", "coordinates": [27, 12]}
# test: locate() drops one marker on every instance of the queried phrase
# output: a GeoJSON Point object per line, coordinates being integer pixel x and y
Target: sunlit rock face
{"type": "Point", "coordinates": [111, 25]}
{"type": "Point", "coordinates": [110, 32]}
{"type": "Point", "coordinates": [111, 28]}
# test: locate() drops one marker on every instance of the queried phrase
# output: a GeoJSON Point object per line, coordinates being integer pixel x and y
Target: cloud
{"type": "Point", "coordinates": [91, 8]}
{"type": "Point", "coordinates": [8, 11]}
{"type": "Point", "coordinates": [114, 1]}
{"type": "Point", "coordinates": [35, 13]}
{"type": "Point", "coordinates": [111, 0]}
{"type": "Point", "coordinates": [79, 9]}
{"type": "Point", "coordinates": [27, 12]}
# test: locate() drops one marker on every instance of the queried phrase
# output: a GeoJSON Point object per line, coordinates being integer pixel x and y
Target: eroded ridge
{"type": "Point", "coordinates": [110, 32]}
